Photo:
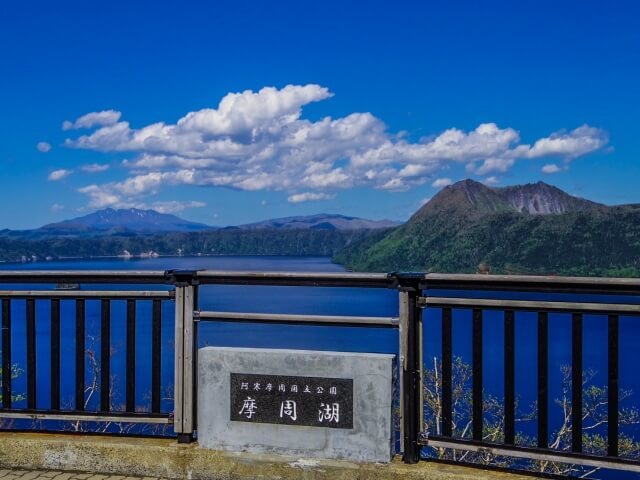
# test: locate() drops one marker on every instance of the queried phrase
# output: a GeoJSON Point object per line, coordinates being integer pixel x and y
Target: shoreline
{"type": "Point", "coordinates": [156, 257]}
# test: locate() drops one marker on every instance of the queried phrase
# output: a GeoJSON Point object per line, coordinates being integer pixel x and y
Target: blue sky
{"type": "Point", "coordinates": [230, 112]}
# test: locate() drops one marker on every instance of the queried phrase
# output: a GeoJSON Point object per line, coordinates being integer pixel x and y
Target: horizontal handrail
{"type": "Point", "coordinates": [320, 279]}
{"type": "Point", "coordinates": [100, 294]}
{"type": "Point", "coordinates": [589, 460]}
{"type": "Point", "coordinates": [530, 305]}
{"type": "Point", "coordinates": [114, 417]}
{"type": "Point", "coordinates": [301, 319]}
{"type": "Point", "coordinates": [83, 276]}
{"type": "Point", "coordinates": [532, 283]}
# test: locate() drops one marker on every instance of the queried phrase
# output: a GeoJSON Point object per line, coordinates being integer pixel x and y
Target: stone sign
{"type": "Point", "coordinates": [280, 399]}
{"type": "Point", "coordinates": [297, 402]}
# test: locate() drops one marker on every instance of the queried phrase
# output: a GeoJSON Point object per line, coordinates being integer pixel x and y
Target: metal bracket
{"type": "Point", "coordinates": [182, 278]}
{"type": "Point", "coordinates": [405, 282]}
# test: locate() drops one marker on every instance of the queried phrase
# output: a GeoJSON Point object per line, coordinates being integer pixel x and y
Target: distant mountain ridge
{"type": "Point", "coordinates": [533, 228]}
{"type": "Point", "coordinates": [133, 221]}
{"type": "Point", "coordinates": [543, 199]}
{"type": "Point", "coordinates": [321, 221]}
{"type": "Point", "coordinates": [467, 227]}
{"type": "Point", "coordinates": [476, 198]}
{"type": "Point", "coordinates": [124, 220]}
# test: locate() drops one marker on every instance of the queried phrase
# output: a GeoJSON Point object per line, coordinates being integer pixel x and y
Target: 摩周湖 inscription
{"type": "Point", "coordinates": [289, 400]}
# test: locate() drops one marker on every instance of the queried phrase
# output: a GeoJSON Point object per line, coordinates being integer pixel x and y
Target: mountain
{"type": "Point", "coordinates": [130, 220]}
{"type": "Point", "coordinates": [534, 228]}
{"type": "Point", "coordinates": [139, 232]}
{"type": "Point", "coordinates": [543, 199]}
{"type": "Point", "coordinates": [474, 198]}
{"type": "Point", "coordinates": [322, 221]}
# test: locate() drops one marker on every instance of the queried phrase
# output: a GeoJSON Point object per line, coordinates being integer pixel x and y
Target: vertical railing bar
{"type": "Point", "coordinates": [131, 357]}
{"type": "Point", "coordinates": [55, 354]}
{"type": "Point", "coordinates": [509, 377]}
{"type": "Point", "coordinates": [31, 354]}
{"type": "Point", "coordinates": [105, 355]}
{"type": "Point", "coordinates": [156, 355]}
{"type": "Point", "coordinates": [6, 353]}
{"type": "Point", "coordinates": [189, 365]}
{"type": "Point", "coordinates": [403, 327]}
{"type": "Point", "coordinates": [422, 427]}
{"type": "Point", "coordinates": [477, 416]}
{"type": "Point", "coordinates": [446, 372]}
{"type": "Point", "coordinates": [410, 375]}
{"type": "Point", "coordinates": [543, 380]}
{"type": "Point", "coordinates": [80, 354]}
{"type": "Point", "coordinates": [178, 389]}
{"type": "Point", "coordinates": [576, 383]}
{"type": "Point", "coordinates": [613, 387]}
{"type": "Point", "coordinates": [194, 347]}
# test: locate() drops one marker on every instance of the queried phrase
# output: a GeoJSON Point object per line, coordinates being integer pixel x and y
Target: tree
{"type": "Point", "coordinates": [15, 373]}
{"type": "Point", "coordinates": [594, 419]}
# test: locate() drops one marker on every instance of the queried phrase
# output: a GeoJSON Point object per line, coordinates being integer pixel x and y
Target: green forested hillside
{"type": "Point", "coordinates": [219, 242]}
{"type": "Point", "coordinates": [467, 227]}
{"type": "Point", "coordinates": [461, 231]}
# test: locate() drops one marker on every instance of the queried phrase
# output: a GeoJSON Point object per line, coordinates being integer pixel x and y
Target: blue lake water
{"type": "Point", "coordinates": [312, 300]}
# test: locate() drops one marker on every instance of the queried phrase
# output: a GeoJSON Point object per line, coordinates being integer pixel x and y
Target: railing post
{"type": "Point", "coordinates": [410, 337]}
{"type": "Point", "coordinates": [185, 353]}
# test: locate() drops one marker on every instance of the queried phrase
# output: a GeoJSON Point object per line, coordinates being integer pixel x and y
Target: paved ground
{"type": "Point", "coordinates": [57, 475]}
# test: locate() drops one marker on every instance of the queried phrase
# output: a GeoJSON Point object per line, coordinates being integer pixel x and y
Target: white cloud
{"type": "Point", "coordinates": [100, 197]}
{"type": "Point", "coordinates": [93, 119]}
{"type": "Point", "coordinates": [103, 198]}
{"type": "Point", "coordinates": [43, 147]}
{"type": "Point", "coordinates": [94, 168]}
{"type": "Point", "coordinates": [491, 181]}
{"type": "Point", "coordinates": [59, 174]}
{"type": "Point", "coordinates": [260, 141]}
{"type": "Point", "coordinates": [578, 142]}
{"type": "Point", "coordinates": [174, 206]}
{"type": "Point", "coordinates": [550, 168]}
{"type": "Point", "coordinates": [442, 182]}
{"type": "Point", "coordinates": [267, 109]}
{"type": "Point", "coordinates": [308, 196]}
{"type": "Point", "coordinates": [56, 207]}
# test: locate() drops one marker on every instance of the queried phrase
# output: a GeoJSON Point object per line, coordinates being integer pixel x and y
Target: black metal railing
{"type": "Point", "coordinates": [42, 295]}
{"type": "Point", "coordinates": [457, 286]}
{"type": "Point", "coordinates": [417, 293]}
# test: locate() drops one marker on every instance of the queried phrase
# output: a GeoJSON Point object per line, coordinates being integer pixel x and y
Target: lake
{"type": "Point", "coordinates": [312, 300]}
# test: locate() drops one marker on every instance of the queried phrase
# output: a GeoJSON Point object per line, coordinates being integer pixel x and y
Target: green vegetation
{"type": "Point", "coordinates": [466, 228]}
{"type": "Point", "coordinates": [218, 242]}
{"type": "Point", "coordinates": [456, 234]}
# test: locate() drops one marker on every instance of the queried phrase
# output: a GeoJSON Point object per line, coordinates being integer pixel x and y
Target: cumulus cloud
{"type": "Point", "coordinates": [43, 147]}
{"type": "Point", "coordinates": [578, 142]}
{"type": "Point", "coordinates": [308, 196]}
{"type": "Point", "coordinates": [93, 119]}
{"type": "Point", "coordinates": [102, 198]}
{"type": "Point", "coordinates": [59, 174]}
{"type": "Point", "coordinates": [441, 182]}
{"type": "Point", "coordinates": [174, 206]}
{"type": "Point", "coordinates": [259, 140]}
{"type": "Point", "coordinates": [491, 181]}
{"type": "Point", "coordinates": [56, 207]}
{"type": "Point", "coordinates": [551, 168]}
{"type": "Point", "coordinates": [94, 168]}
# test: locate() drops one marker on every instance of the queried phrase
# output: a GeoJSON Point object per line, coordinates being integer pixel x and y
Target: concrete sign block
{"type": "Point", "coordinates": [297, 402]}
